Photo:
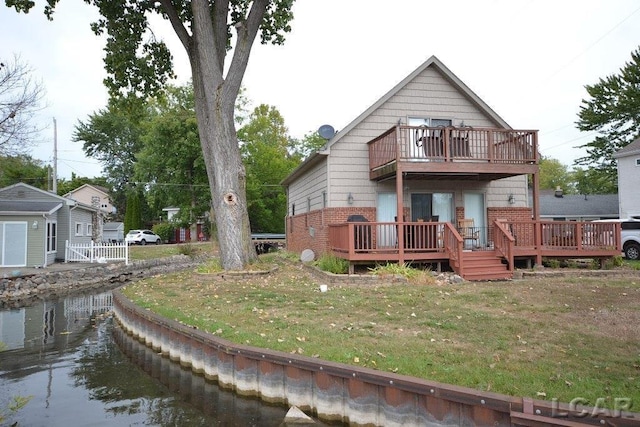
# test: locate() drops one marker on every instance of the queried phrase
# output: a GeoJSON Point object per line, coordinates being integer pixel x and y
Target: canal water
{"type": "Point", "coordinates": [64, 359]}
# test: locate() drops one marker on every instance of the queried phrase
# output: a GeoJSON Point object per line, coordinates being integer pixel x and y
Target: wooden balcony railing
{"type": "Point", "coordinates": [390, 241]}
{"type": "Point", "coordinates": [453, 144]}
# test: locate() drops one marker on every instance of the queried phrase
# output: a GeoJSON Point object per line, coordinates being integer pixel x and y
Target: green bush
{"type": "Point", "coordinates": [164, 230]}
{"type": "Point", "coordinates": [551, 263]}
{"type": "Point", "coordinates": [332, 264]}
{"type": "Point", "coordinates": [187, 249]}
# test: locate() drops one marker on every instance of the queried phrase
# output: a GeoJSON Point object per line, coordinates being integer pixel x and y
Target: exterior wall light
{"type": "Point", "coordinates": [350, 199]}
{"type": "Point", "coordinates": [511, 199]}
{"type": "Point", "coordinates": [34, 225]}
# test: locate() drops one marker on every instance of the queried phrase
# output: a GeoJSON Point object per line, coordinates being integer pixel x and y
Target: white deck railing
{"type": "Point", "coordinates": [96, 252]}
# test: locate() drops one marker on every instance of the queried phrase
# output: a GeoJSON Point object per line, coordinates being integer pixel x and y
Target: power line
{"type": "Point", "coordinates": [593, 44]}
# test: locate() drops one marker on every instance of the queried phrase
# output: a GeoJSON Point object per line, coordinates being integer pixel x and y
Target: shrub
{"type": "Point", "coordinates": [187, 249]}
{"type": "Point", "coordinates": [164, 230]}
{"type": "Point", "coordinates": [332, 264]}
{"type": "Point", "coordinates": [551, 263]}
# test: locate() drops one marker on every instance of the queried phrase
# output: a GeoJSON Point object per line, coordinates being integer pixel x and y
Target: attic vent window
{"type": "Point", "coordinates": [21, 194]}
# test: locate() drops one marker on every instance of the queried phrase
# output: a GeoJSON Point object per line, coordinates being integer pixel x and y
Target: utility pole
{"type": "Point", "coordinates": [55, 157]}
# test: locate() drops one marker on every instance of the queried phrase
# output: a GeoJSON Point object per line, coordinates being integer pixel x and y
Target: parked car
{"type": "Point", "coordinates": [142, 237]}
{"type": "Point", "coordinates": [630, 236]}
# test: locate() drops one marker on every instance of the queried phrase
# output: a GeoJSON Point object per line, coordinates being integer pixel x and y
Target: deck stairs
{"type": "Point", "coordinates": [484, 265]}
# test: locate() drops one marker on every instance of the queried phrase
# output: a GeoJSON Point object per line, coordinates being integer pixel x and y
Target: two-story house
{"type": "Point", "coordinates": [428, 174]}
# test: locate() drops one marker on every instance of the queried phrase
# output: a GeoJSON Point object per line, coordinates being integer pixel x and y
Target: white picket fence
{"type": "Point", "coordinates": [96, 252]}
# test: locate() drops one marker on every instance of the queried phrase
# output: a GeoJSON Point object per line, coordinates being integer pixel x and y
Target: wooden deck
{"type": "Point", "coordinates": [453, 152]}
{"type": "Point", "coordinates": [493, 258]}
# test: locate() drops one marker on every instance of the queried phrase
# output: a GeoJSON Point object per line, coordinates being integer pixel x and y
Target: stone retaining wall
{"type": "Point", "coordinates": [20, 290]}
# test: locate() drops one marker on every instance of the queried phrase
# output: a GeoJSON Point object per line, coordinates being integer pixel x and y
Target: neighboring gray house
{"type": "Point", "coordinates": [34, 225]}
{"type": "Point", "coordinates": [628, 159]}
{"type": "Point", "coordinates": [113, 232]}
{"type": "Point", "coordinates": [556, 206]}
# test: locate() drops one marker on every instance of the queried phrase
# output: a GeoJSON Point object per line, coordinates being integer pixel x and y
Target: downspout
{"type": "Point", "coordinates": [44, 248]}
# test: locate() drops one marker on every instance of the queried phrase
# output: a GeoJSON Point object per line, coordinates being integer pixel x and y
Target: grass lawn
{"type": "Point", "coordinates": [139, 252]}
{"type": "Point", "coordinates": [557, 338]}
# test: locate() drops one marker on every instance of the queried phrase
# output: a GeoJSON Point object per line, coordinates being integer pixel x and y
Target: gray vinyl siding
{"type": "Point", "coordinates": [628, 178]}
{"type": "Point", "coordinates": [309, 189]}
{"type": "Point", "coordinates": [428, 95]}
{"type": "Point", "coordinates": [82, 216]}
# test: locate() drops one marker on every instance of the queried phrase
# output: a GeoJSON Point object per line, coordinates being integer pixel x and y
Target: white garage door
{"type": "Point", "coordinates": [13, 240]}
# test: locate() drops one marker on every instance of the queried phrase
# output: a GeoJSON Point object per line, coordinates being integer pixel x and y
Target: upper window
{"type": "Point", "coordinates": [89, 229]}
{"type": "Point", "coordinates": [425, 121]}
{"type": "Point", "coordinates": [78, 229]}
{"type": "Point", "coordinates": [637, 162]}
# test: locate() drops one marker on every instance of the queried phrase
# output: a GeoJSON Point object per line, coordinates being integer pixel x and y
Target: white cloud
{"type": "Point", "coordinates": [529, 60]}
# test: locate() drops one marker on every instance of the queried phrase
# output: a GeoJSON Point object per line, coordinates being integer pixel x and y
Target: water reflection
{"type": "Point", "coordinates": [64, 355]}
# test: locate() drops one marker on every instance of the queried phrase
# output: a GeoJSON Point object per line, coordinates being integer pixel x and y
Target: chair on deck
{"type": "Point", "coordinates": [430, 140]}
{"type": "Point", "coordinates": [468, 231]}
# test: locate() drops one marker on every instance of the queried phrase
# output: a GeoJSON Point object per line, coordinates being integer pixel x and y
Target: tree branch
{"type": "Point", "coordinates": [220, 31]}
{"type": "Point", "coordinates": [177, 24]}
{"type": "Point", "coordinates": [247, 32]}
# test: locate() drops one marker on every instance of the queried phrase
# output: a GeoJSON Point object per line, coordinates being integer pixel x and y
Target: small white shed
{"type": "Point", "coordinates": [113, 232]}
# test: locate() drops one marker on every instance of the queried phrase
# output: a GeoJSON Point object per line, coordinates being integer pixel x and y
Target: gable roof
{"type": "Point", "coordinates": [97, 188]}
{"type": "Point", "coordinates": [22, 207]}
{"type": "Point", "coordinates": [434, 62]}
{"type": "Point", "coordinates": [578, 205]}
{"type": "Point", "coordinates": [53, 196]}
{"type": "Point", "coordinates": [629, 150]}
{"type": "Point", "coordinates": [112, 226]}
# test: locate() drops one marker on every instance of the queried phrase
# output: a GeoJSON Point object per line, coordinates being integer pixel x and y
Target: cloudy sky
{"type": "Point", "coordinates": [529, 60]}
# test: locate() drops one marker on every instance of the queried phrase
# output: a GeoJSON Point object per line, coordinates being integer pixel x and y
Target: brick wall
{"type": "Point", "coordinates": [523, 235]}
{"type": "Point", "coordinates": [310, 230]}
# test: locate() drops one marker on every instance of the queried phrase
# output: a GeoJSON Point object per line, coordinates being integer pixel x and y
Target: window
{"type": "Point", "coordinates": [437, 207]}
{"type": "Point", "coordinates": [51, 236]}
{"type": "Point", "coordinates": [425, 121]}
{"type": "Point", "coordinates": [637, 162]}
{"type": "Point", "coordinates": [630, 225]}
{"type": "Point", "coordinates": [89, 229]}
{"type": "Point", "coordinates": [78, 229]}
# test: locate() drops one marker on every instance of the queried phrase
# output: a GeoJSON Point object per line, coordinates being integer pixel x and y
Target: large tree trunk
{"type": "Point", "coordinates": [215, 102]}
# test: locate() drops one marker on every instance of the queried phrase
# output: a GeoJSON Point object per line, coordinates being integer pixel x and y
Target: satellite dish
{"type": "Point", "coordinates": [326, 131]}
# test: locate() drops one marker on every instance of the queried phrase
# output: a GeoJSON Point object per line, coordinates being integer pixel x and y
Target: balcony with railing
{"type": "Point", "coordinates": [481, 153]}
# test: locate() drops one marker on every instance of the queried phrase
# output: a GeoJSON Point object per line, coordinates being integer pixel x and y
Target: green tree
{"type": "Point", "coordinates": [554, 174]}
{"type": "Point", "coordinates": [133, 212]}
{"type": "Point", "coordinates": [311, 143]}
{"type": "Point", "coordinates": [66, 186]}
{"type": "Point", "coordinates": [113, 137]}
{"type": "Point", "coordinates": [612, 110]}
{"type": "Point", "coordinates": [23, 168]}
{"type": "Point", "coordinates": [265, 151]}
{"type": "Point", "coordinates": [593, 181]}
{"type": "Point", "coordinates": [170, 163]}
{"type": "Point", "coordinates": [138, 64]}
